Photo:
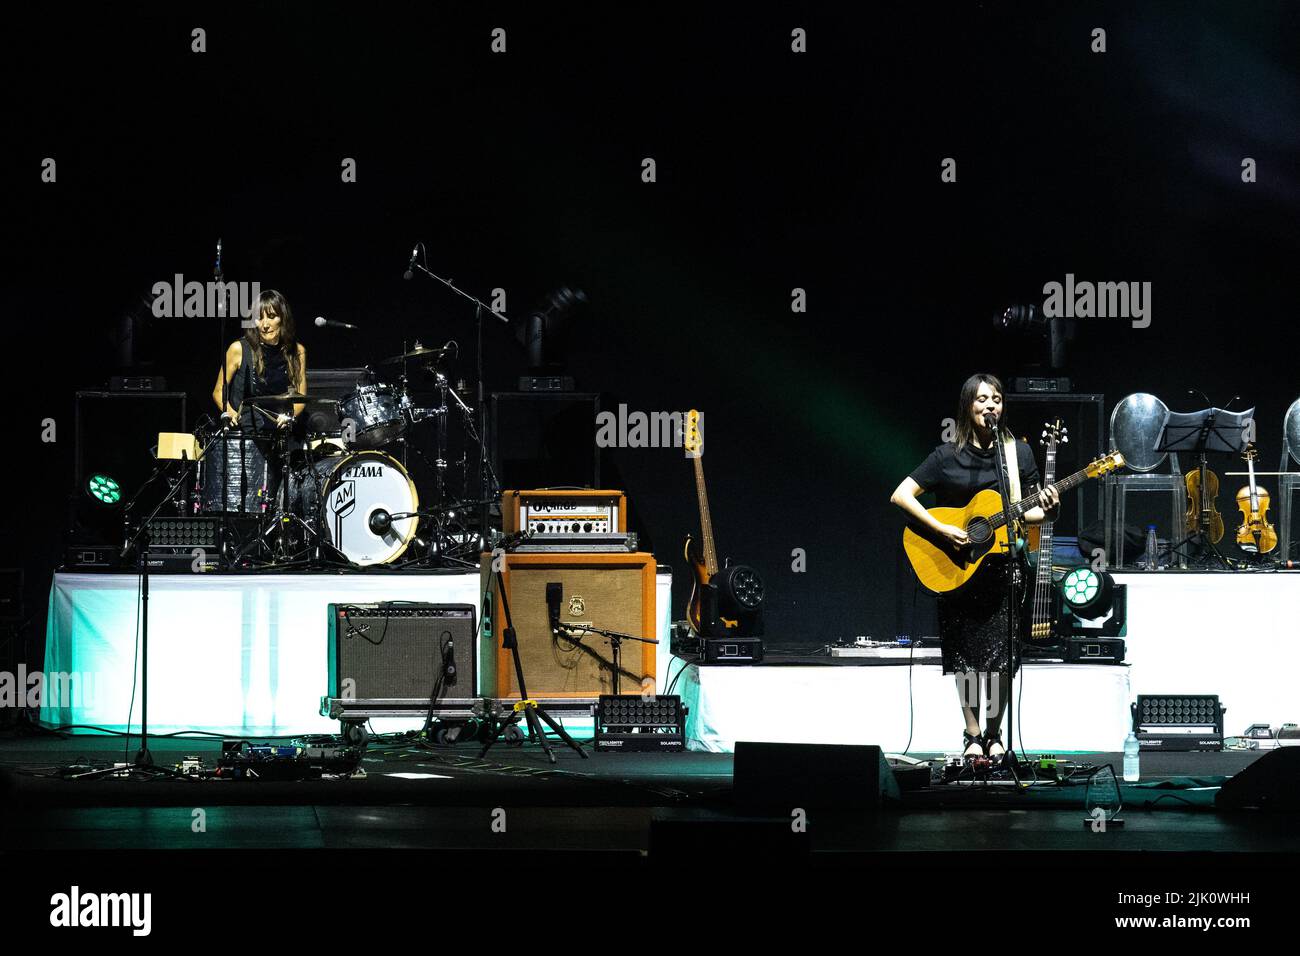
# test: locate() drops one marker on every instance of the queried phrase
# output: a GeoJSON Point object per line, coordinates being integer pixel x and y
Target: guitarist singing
{"type": "Point", "coordinates": [973, 619]}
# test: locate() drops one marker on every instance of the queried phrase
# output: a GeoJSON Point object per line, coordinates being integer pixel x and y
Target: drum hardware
{"type": "Point", "coordinates": [489, 487]}
{"type": "Point", "coordinates": [131, 540]}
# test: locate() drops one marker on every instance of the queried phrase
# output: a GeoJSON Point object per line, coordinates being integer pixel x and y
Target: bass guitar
{"type": "Point", "coordinates": [942, 567]}
{"type": "Point", "coordinates": [1040, 605]}
{"type": "Point", "coordinates": [725, 602]}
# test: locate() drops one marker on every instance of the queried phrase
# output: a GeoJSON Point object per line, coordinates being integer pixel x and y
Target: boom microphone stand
{"type": "Point", "coordinates": [486, 476]}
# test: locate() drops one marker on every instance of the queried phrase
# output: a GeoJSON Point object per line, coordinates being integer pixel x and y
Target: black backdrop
{"type": "Point", "coordinates": [775, 171]}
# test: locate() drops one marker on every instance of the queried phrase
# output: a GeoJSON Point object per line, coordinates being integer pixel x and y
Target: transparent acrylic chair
{"type": "Point", "coordinates": [1135, 426]}
{"type": "Point", "coordinates": [1288, 481]}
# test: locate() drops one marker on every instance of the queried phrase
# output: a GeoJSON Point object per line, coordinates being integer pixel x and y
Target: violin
{"type": "Point", "coordinates": [1202, 515]}
{"type": "Point", "coordinates": [1255, 534]}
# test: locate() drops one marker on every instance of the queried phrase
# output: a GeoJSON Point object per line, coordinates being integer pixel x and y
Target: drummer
{"type": "Point", "coordinates": [268, 360]}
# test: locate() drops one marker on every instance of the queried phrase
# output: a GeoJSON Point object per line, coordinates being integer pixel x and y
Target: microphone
{"type": "Point", "coordinates": [324, 323]}
{"type": "Point", "coordinates": [449, 661]}
{"type": "Point", "coordinates": [991, 419]}
{"type": "Point", "coordinates": [380, 522]}
{"type": "Point", "coordinates": [553, 593]}
{"type": "Point", "coordinates": [508, 541]}
{"type": "Point", "coordinates": [410, 265]}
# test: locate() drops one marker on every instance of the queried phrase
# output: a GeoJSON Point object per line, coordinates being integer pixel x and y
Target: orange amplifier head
{"type": "Point", "coordinates": [585, 511]}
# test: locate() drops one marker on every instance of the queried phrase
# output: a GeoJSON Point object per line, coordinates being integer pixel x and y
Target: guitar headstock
{"type": "Point", "coordinates": [1105, 465]}
{"type": "Point", "coordinates": [693, 434]}
{"type": "Point", "coordinates": [1054, 433]}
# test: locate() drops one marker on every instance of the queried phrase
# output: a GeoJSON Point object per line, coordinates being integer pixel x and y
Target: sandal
{"type": "Point", "coordinates": [967, 740]}
{"type": "Point", "coordinates": [988, 740]}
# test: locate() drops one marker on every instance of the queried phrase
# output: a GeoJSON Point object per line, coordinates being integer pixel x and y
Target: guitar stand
{"type": "Point", "coordinates": [528, 709]}
{"type": "Point", "coordinates": [1200, 538]}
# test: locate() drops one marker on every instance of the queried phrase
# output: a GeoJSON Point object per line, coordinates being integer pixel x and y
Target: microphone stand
{"type": "Point", "coordinates": [224, 433]}
{"type": "Point", "coordinates": [528, 708]}
{"type": "Point", "coordinates": [616, 639]}
{"type": "Point", "coordinates": [1013, 591]}
{"type": "Point", "coordinates": [487, 492]}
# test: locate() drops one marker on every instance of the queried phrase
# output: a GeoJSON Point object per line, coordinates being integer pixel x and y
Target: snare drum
{"type": "Point", "coordinates": [374, 414]}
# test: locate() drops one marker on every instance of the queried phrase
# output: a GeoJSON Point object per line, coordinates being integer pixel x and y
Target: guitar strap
{"type": "Point", "coordinates": [1013, 466]}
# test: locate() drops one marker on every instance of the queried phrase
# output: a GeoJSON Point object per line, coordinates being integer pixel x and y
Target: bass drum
{"type": "Point", "coordinates": [345, 492]}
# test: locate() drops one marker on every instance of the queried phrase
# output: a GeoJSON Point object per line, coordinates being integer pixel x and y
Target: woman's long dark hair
{"type": "Point", "coordinates": [965, 420]}
{"type": "Point", "coordinates": [272, 301]}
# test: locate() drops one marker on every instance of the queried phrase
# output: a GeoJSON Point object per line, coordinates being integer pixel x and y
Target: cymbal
{"type": "Point", "coordinates": [421, 352]}
{"type": "Point", "coordinates": [285, 399]}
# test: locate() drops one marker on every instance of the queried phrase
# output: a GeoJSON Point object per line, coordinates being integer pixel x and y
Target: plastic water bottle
{"type": "Point", "coordinates": [1131, 758]}
{"type": "Point", "coordinates": [1151, 560]}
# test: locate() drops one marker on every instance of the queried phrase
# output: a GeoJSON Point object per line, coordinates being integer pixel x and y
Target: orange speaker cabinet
{"type": "Point", "coordinates": [613, 591]}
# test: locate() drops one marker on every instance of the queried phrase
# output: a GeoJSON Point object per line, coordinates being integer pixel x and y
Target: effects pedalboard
{"type": "Point", "coordinates": [300, 760]}
{"type": "Point", "coordinates": [1043, 768]}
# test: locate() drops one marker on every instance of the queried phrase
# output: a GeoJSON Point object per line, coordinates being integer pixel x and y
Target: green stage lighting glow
{"type": "Point", "coordinates": [104, 489]}
{"type": "Point", "coordinates": [1080, 586]}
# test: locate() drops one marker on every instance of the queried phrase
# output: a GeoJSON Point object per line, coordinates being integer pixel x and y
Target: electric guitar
{"type": "Point", "coordinates": [942, 567]}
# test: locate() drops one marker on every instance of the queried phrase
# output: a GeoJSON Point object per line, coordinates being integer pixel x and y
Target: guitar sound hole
{"type": "Point", "coordinates": [978, 531]}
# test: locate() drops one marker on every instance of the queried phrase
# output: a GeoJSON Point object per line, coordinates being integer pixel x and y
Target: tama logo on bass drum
{"type": "Point", "coordinates": [364, 471]}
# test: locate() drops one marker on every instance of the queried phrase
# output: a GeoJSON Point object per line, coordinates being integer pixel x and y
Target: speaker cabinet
{"type": "Point", "coordinates": [397, 650]}
{"type": "Point", "coordinates": [612, 591]}
{"type": "Point", "coordinates": [544, 440]}
{"type": "Point", "coordinates": [113, 435]}
{"type": "Point", "coordinates": [1271, 783]}
{"type": "Point", "coordinates": [823, 776]}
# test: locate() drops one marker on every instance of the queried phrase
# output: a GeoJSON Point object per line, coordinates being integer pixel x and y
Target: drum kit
{"type": "Point", "coordinates": [339, 493]}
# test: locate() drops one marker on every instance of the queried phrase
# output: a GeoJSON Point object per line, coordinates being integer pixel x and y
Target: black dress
{"type": "Point", "coordinates": [251, 454]}
{"type": "Point", "coordinates": [973, 619]}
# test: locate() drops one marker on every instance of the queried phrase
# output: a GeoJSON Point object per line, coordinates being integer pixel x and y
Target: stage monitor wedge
{"type": "Point", "coordinates": [786, 776]}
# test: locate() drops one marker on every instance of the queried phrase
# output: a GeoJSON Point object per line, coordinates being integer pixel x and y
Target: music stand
{"type": "Point", "coordinates": [1211, 429]}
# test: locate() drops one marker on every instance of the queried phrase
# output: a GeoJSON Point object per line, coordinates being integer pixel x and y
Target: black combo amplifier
{"type": "Point", "coordinates": [402, 650]}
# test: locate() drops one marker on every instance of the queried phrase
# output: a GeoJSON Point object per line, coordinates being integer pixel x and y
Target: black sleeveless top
{"type": "Point", "coordinates": [248, 384]}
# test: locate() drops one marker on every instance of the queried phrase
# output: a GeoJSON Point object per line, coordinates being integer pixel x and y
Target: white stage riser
{"type": "Point", "coordinates": [232, 654]}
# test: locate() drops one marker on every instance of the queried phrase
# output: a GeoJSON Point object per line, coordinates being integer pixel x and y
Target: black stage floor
{"type": "Point", "coordinates": [658, 835]}
{"type": "Point", "coordinates": [607, 804]}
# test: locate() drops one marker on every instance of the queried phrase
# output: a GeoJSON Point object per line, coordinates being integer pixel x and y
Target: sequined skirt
{"type": "Point", "coordinates": [973, 622]}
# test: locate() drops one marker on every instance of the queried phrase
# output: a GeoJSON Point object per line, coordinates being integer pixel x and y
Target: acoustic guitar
{"type": "Point", "coordinates": [943, 567]}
